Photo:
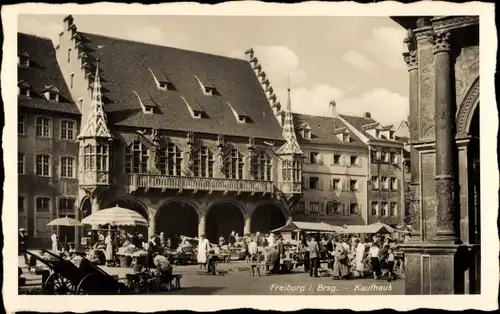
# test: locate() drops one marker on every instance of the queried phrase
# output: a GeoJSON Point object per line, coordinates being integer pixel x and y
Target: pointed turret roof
{"type": "Point", "coordinates": [96, 125]}
{"type": "Point", "coordinates": [291, 147]}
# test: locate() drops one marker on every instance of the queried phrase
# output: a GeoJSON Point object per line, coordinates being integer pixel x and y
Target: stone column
{"type": "Point", "coordinates": [411, 59]}
{"type": "Point", "coordinates": [152, 224]}
{"type": "Point", "coordinates": [444, 130]}
{"type": "Point", "coordinates": [95, 208]}
{"type": "Point", "coordinates": [201, 225]}
{"type": "Point", "coordinates": [248, 224]}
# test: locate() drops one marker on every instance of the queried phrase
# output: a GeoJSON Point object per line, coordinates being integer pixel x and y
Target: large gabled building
{"type": "Point", "coordinates": [48, 123]}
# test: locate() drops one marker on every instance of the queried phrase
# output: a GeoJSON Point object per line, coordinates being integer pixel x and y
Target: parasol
{"type": "Point", "coordinates": [66, 222]}
{"type": "Point", "coordinates": [116, 216]}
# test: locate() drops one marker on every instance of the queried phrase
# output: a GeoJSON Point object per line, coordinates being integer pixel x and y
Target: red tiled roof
{"type": "Point", "coordinates": [43, 72]}
{"type": "Point", "coordinates": [124, 67]}
{"type": "Point", "coordinates": [322, 130]}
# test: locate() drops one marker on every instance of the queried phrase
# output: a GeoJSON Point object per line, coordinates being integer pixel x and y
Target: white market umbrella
{"type": "Point", "coordinates": [66, 222]}
{"type": "Point", "coordinates": [116, 216]}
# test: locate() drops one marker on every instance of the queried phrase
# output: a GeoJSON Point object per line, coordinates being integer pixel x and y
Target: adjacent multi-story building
{"type": "Point", "coordinates": [385, 170]}
{"type": "Point", "coordinates": [47, 126]}
{"type": "Point", "coordinates": [334, 173]}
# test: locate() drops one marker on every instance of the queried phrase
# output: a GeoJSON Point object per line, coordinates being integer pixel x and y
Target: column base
{"type": "Point", "coordinates": [434, 268]}
{"type": "Point", "coordinates": [445, 236]}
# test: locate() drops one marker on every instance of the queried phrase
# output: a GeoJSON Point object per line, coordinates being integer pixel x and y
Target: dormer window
{"type": "Point", "coordinates": [391, 135]}
{"type": "Point", "coordinates": [24, 89]}
{"type": "Point", "coordinates": [194, 108]}
{"type": "Point", "coordinates": [162, 81]}
{"type": "Point", "coordinates": [240, 115]}
{"type": "Point", "coordinates": [147, 103]}
{"type": "Point", "coordinates": [51, 93]}
{"type": "Point", "coordinates": [24, 60]}
{"type": "Point", "coordinates": [206, 88]}
{"type": "Point", "coordinates": [346, 138]}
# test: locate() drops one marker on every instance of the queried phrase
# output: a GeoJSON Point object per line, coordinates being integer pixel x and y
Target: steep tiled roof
{"type": "Point", "coordinates": [124, 67]}
{"type": "Point", "coordinates": [43, 72]}
{"type": "Point", "coordinates": [359, 122]}
{"type": "Point", "coordinates": [322, 130]}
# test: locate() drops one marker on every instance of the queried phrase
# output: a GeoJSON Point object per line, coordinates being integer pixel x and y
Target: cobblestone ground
{"type": "Point", "coordinates": [236, 282]}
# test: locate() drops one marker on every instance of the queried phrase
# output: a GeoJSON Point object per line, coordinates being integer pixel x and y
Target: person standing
{"type": "Point", "coordinates": [22, 245]}
{"type": "Point", "coordinates": [373, 252]}
{"type": "Point", "coordinates": [252, 250]}
{"type": "Point", "coordinates": [110, 254]}
{"type": "Point", "coordinates": [55, 241]}
{"type": "Point", "coordinates": [270, 240]}
{"type": "Point", "coordinates": [245, 248]}
{"type": "Point", "coordinates": [304, 248]}
{"type": "Point", "coordinates": [360, 257]}
{"type": "Point", "coordinates": [203, 251]}
{"type": "Point", "coordinates": [314, 253]}
{"type": "Point", "coordinates": [232, 239]}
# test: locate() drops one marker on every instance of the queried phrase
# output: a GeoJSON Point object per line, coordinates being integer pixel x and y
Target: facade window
{"type": "Point", "coordinates": [375, 183]}
{"type": "Point", "coordinates": [322, 209]}
{"type": "Point", "coordinates": [42, 165]}
{"type": "Point", "coordinates": [346, 138]}
{"type": "Point", "coordinates": [22, 217]}
{"type": "Point", "coordinates": [314, 183]}
{"type": "Point", "coordinates": [353, 209]}
{"type": "Point", "coordinates": [66, 207]}
{"type": "Point", "coordinates": [394, 209]}
{"type": "Point", "coordinates": [394, 184]}
{"type": "Point", "coordinates": [170, 160]}
{"type": "Point", "coordinates": [301, 208]}
{"type": "Point", "coordinates": [375, 209]}
{"type": "Point", "coordinates": [43, 216]}
{"type": "Point", "coordinates": [336, 185]}
{"type": "Point", "coordinates": [385, 209]}
{"type": "Point", "coordinates": [69, 55]}
{"type": "Point", "coordinates": [337, 209]}
{"type": "Point", "coordinates": [307, 134]}
{"type": "Point", "coordinates": [287, 169]}
{"type": "Point", "coordinates": [262, 167]}
{"type": "Point", "coordinates": [67, 130]}
{"type": "Point", "coordinates": [67, 167]}
{"type": "Point", "coordinates": [384, 181]}
{"type": "Point", "coordinates": [353, 185]}
{"type": "Point", "coordinates": [394, 158]}
{"type": "Point", "coordinates": [43, 127]}
{"type": "Point", "coordinates": [21, 124]}
{"type": "Point", "coordinates": [136, 158]}
{"type": "Point", "coordinates": [374, 156]}
{"type": "Point", "coordinates": [354, 161]}
{"type": "Point", "coordinates": [297, 170]}
{"type": "Point", "coordinates": [53, 96]}
{"type": "Point", "coordinates": [384, 156]}
{"type": "Point", "coordinates": [102, 152]}
{"type": "Point", "coordinates": [24, 91]}
{"type": "Point", "coordinates": [314, 208]}
{"type": "Point", "coordinates": [314, 158]}
{"type": "Point", "coordinates": [72, 80]}
{"type": "Point", "coordinates": [234, 165]}
{"type": "Point", "coordinates": [203, 163]}
{"type": "Point", "coordinates": [337, 159]}
{"type": "Point", "coordinates": [21, 160]}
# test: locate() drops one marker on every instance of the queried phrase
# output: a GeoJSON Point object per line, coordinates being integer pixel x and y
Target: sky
{"type": "Point", "coordinates": [355, 61]}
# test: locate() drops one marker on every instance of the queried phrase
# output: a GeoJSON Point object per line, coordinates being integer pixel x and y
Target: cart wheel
{"type": "Point", "coordinates": [56, 284]}
{"type": "Point", "coordinates": [89, 285]}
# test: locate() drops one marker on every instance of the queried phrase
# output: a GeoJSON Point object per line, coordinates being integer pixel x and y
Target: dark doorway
{"type": "Point", "coordinates": [177, 218]}
{"type": "Point", "coordinates": [266, 218]}
{"type": "Point", "coordinates": [223, 218]}
{"type": "Point", "coordinates": [137, 207]}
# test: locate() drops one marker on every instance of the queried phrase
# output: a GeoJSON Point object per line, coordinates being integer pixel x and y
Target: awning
{"type": "Point", "coordinates": [377, 227]}
{"type": "Point", "coordinates": [308, 226]}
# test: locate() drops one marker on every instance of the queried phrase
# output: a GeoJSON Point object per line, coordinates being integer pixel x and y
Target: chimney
{"type": "Point", "coordinates": [367, 115]}
{"type": "Point", "coordinates": [333, 109]}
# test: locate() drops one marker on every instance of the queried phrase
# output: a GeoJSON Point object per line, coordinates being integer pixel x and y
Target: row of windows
{"type": "Point", "coordinates": [170, 161]}
{"type": "Point", "coordinates": [384, 157]}
{"type": "Point", "coordinates": [335, 184]}
{"type": "Point", "coordinates": [43, 127]}
{"type": "Point", "coordinates": [330, 209]}
{"type": "Point", "coordinates": [344, 137]}
{"type": "Point", "coordinates": [336, 159]}
{"type": "Point", "coordinates": [43, 165]}
{"type": "Point", "coordinates": [384, 209]}
{"type": "Point", "coordinates": [384, 183]}
{"type": "Point", "coordinates": [43, 212]}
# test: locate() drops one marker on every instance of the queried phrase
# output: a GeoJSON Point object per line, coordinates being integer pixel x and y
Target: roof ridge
{"type": "Point", "coordinates": [313, 115]}
{"type": "Point", "coordinates": [163, 46]}
{"type": "Point", "coordinates": [36, 36]}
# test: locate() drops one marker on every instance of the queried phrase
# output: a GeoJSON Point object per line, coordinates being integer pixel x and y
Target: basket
{"type": "Point", "coordinates": [125, 261]}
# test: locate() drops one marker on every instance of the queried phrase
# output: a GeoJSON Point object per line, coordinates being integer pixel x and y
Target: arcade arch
{"type": "Point", "coordinates": [222, 218]}
{"type": "Point", "coordinates": [267, 217]}
{"type": "Point", "coordinates": [177, 217]}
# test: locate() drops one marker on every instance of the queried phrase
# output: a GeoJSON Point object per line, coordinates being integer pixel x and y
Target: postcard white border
{"type": "Point", "coordinates": [489, 178]}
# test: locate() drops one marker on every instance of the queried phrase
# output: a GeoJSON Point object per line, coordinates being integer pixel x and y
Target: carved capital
{"type": "Point", "coordinates": [410, 41]}
{"type": "Point", "coordinates": [440, 42]}
{"type": "Point", "coordinates": [411, 59]}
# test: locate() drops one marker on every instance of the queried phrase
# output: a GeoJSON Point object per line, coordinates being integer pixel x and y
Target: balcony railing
{"type": "Point", "coordinates": [198, 183]}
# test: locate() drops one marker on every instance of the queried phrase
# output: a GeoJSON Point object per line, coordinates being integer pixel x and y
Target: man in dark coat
{"type": "Point", "coordinates": [22, 245]}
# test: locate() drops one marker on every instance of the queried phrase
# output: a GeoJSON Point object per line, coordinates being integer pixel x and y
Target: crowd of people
{"type": "Point", "coordinates": [349, 256]}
